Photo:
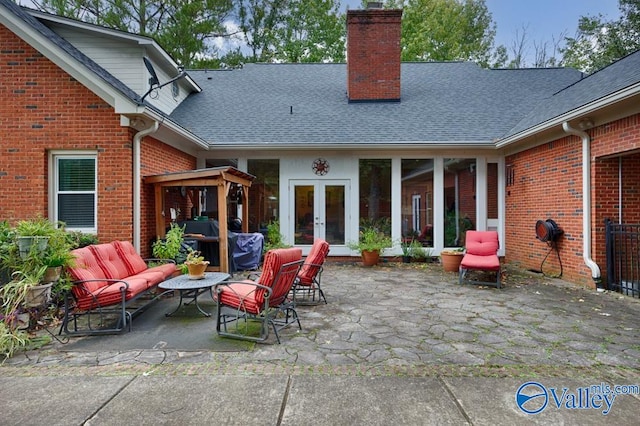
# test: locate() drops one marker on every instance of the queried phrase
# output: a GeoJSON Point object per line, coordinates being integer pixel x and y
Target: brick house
{"type": "Point", "coordinates": [423, 150]}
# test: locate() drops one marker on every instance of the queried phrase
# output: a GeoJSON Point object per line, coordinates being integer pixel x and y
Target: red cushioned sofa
{"type": "Point", "coordinates": [107, 278]}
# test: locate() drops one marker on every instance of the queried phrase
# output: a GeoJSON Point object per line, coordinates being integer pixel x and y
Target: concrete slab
{"type": "Point", "coordinates": [69, 400]}
{"type": "Point", "coordinates": [336, 400]}
{"type": "Point", "coordinates": [186, 330]}
{"type": "Point", "coordinates": [492, 401]}
{"type": "Point", "coordinates": [196, 400]}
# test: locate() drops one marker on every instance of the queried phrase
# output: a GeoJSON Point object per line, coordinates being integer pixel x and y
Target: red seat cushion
{"type": "Point", "coordinates": [243, 297]}
{"type": "Point", "coordinates": [110, 261]}
{"type": "Point", "coordinates": [132, 260]}
{"type": "Point", "coordinates": [247, 297]}
{"type": "Point", "coordinates": [481, 243]}
{"type": "Point", "coordinates": [311, 266]}
{"type": "Point", "coordinates": [484, 263]}
{"type": "Point", "coordinates": [111, 294]}
{"type": "Point", "coordinates": [481, 248]}
{"type": "Point", "coordinates": [86, 267]}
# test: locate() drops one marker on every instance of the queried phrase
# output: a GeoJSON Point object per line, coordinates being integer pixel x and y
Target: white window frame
{"type": "Point", "coordinates": [54, 156]}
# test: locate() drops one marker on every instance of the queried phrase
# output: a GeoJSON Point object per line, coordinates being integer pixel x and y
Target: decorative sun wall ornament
{"type": "Point", "coordinates": [320, 166]}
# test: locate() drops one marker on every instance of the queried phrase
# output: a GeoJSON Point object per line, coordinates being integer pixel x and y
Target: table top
{"type": "Point", "coordinates": [184, 282]}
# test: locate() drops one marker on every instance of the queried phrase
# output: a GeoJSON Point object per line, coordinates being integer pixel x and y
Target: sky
{"type": "Point", "coordinates": [543, 19]}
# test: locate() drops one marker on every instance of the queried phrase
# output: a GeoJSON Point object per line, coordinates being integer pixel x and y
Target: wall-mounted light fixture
{"type": "Point", "coordinates": [586, 123]}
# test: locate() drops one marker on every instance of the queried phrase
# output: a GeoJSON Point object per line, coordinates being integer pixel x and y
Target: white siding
{"type": "Point", "coordinates": [123, 59]}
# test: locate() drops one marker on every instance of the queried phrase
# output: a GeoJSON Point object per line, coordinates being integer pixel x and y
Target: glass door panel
{"type": "Point", "coordinates": [334, 214]}
{"type": "Point", "coordinates": [304, 229]}
{"type": "Point", "coordinates": [319, 211]}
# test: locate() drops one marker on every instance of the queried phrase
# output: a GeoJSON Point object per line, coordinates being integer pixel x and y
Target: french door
{"type": "Point", "coordinates": [318, 210]}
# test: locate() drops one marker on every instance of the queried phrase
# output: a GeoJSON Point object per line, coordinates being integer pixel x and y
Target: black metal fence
{"type": "Point", "coordinates": [623, 257]}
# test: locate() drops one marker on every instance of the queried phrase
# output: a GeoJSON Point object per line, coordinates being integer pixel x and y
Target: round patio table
{"type": "Point", "coordinates": [192, 288]}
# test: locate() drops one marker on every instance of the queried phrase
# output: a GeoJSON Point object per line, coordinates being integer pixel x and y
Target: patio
{"type": "Point", "coordinates": [392, 315]}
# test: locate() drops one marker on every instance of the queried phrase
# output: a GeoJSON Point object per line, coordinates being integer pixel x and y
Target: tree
{"type": "Point", "coordinates": [258, 20]}
{"type": "Point", "coordinates": [311, 31]}
{"type": "Point", "coordinates": [182, 27]}
{"type": "Point", "coordinates": [446, 30]}
{"type": "Point", "coordinates": [599, 43]}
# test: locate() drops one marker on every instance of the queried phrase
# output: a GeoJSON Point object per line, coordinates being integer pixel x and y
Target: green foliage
{"type": "Point", "coordinates": [274, 239]}
{"type": "Point", "coordinates": [446, 30]}
{"type": "Point", "coordinates": [598, 42]}
{"type": "Point", "coordinates": [454, 235]}
{"type": "Point", "coordinates": [194, 257]}
{"type": "Point", "coordinates": [312, 31]}
{"type": "Point", "coordinates": [79, 239]}
{"type": "Point", "coordinates": [371, 239]}
{"type": "Point", "coordinates": [22, 270]}
{"type": "Point", "coordinates": [170, 246]}
{"type": "Point", "coordinates": [38, 227]}
{"type": "Point", "coordinates": [10, 338]}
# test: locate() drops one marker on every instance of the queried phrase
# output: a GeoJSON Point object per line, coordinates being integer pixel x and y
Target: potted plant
{"type": "Point", "coordinates": [371, 245]}
{"type": "Point", "coordinates": [451, 259]}
{"type": "Point", "coordinates": [171, 245]}
{"type": "Point", "coordinates": [33, 233]}
{"type": "Point", "coordinates": [196, 265]}
{"type": "Point", "coordinates": [418, 252]}
{"type": "Point", "coordinates": [405, 246]}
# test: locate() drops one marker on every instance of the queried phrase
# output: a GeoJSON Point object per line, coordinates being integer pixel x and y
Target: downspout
{"type": "Point", "coordinates": [137, 139]}
{"type": "Point", "coordinates": [586, 203]}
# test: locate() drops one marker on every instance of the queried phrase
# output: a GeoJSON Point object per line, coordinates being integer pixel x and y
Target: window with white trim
{"type": "Point", "coordinates": [75, 195]}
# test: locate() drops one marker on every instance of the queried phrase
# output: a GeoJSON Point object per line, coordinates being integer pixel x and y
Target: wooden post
{"type": "Point", "coordinates": [222, 227]}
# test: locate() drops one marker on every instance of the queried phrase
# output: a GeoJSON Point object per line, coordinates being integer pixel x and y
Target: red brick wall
{"type": "Point", "coordinates": [548, 184]}
{"type": "Point", "coordinates": [41, 109]}
{"type": "Point", "coordinates": [615, 178]}
{"type": "Point", "coordinates": [373, 54]}
{"type": "Point", "coordinates": [158, 158]}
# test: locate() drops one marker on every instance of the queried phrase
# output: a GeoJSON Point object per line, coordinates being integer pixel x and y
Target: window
{"type": "Point", "coordinates": [264, 197]}
{"type": "Point", "coordinates": [75, 194]}
{"type": "Point", "coordinates": [417, 179]}
{"type": "Point", "coordinates": [375, 194]}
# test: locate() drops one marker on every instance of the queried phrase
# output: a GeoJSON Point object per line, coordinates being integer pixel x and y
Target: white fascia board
{"type": "Point", "coordinates": [580, 112]}
{"type": "Point", "coordinates": [173, 127]}
{"type": "Point", "coordinates": [455, 145]}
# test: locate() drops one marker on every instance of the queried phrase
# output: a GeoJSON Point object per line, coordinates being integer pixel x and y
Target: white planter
{"type": "Point", "coordinates": [38, 295]}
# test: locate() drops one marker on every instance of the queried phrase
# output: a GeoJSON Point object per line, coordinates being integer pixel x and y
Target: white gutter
{"type": "Point", "coordinates": [137, 139]}
{"type": "Point", "coordinates": [586, 203]}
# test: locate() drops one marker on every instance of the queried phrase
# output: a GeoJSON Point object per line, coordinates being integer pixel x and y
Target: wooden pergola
{"type": "Point", "coordinates": [221, 178]}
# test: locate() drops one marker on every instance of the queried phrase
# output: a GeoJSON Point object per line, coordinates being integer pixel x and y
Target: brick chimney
{"type": "Point", "coordinates": [373, 54]}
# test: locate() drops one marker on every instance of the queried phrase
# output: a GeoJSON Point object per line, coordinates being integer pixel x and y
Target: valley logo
{"type": "Point", "coordinates": [534, 398]}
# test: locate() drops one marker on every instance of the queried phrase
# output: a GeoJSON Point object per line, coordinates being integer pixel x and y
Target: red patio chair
{"type": "Point", "coordinates": [306, 288]}
{"type": "Point", "coordinates": [481, 254]}
{"type": "Point", "coordinates": [264, 301]}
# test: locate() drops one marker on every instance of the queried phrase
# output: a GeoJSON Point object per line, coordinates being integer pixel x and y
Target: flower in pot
{"type": "Point", "coordinates": [196, 265]}
{"type": "Point", "coordinates": [371, 245]}
{"type": "Point", "coordinates": [451, 259]}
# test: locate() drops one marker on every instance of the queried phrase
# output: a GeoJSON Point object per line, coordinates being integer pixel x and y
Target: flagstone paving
{"type": "Point", "coordinates": [412, 319]}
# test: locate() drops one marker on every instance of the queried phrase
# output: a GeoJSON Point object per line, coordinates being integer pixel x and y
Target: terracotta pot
{"type": "Point", "coordinates": [197, 269]}
{"type": "Point", "coordinates": [370, 258]}
{"type": "Point", "coordinates": [52, 274]}
{"type": "Point", "coordinates": [451, 261]}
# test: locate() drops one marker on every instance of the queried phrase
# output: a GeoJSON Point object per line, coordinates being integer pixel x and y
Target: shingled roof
{"type": "Point", "coordinates": [442, 103]}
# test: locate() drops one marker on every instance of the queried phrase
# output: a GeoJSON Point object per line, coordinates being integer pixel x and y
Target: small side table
{"type": "Point", "coordinates": [190, 288]}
